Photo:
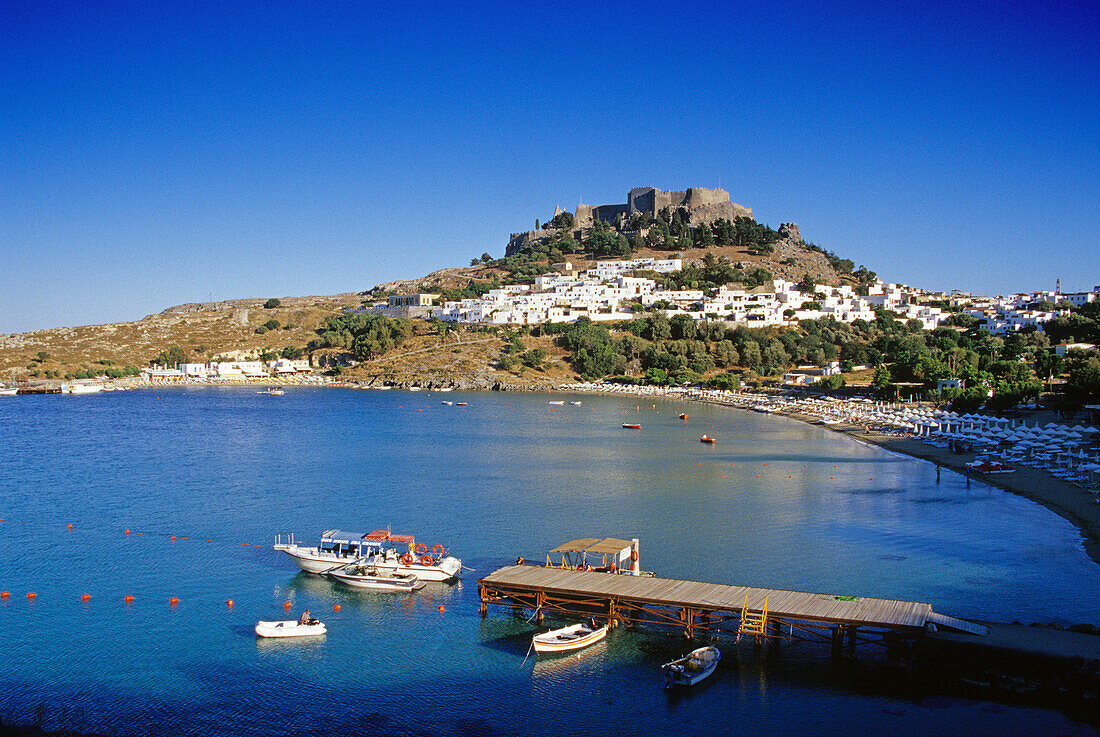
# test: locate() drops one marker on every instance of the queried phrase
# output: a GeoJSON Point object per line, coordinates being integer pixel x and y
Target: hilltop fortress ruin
{"type": "Point", "coordinates": [698, 205]}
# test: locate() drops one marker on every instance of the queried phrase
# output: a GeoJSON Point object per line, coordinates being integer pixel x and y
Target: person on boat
{"type": "Point", "coordinates": [305, 618]}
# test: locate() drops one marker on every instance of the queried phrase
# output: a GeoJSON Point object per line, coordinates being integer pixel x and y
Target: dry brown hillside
{"type": "Point", "coordinates": [202, 331]}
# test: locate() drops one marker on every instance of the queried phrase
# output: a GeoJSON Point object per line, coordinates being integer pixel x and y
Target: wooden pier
{"type": "Point", "coordinates": [696, 607]}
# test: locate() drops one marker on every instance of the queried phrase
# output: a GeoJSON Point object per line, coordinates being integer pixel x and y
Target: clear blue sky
{"type": "Point", "coordinates": [159, 153]}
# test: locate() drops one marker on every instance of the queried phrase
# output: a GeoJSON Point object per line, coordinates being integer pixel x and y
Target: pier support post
{"type": "Point", "coordinates": [838, 640]}
{"type": "Point", "coordinates": [611, 614]}
{"type": "Point", "coordinates": [481, 608]}
{"type": "Point", "coordinates": [851, 637]}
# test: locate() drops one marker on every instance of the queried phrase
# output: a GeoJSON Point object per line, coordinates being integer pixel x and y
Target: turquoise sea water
{"type": "Point", "coordinates": [774, 503]}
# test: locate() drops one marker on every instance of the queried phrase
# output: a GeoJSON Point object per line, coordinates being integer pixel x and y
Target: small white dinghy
{"type": "Point", "coordinates": [573, 637]}
{"type": "Point", "coordinates": [692, 668]}
{"type": "Point", "coordinates": [290, 628]}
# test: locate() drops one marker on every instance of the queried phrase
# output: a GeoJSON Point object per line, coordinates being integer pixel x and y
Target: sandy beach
{"type": "Point", "coordinates": [1061, 497]}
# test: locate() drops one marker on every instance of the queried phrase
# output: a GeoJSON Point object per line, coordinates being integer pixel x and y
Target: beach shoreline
{"type": "Point", "coordinates": [1069, 502]}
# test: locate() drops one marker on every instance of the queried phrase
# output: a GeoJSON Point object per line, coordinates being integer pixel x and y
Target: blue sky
{"type": "Point", "coordinates": [159, 153]}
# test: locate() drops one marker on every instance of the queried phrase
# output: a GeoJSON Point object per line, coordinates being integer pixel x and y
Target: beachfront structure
{"type": "Point", "coordinates": [609, 291]}
{"type": "Point", "coordinates": [223, 371]}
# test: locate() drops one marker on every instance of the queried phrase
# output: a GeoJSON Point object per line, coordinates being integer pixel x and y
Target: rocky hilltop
{"type": "Point", "coordinates": [691, 224]}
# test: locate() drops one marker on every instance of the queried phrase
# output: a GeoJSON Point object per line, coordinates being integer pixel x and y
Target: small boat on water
{"type": "Point", "coordinates": [273, 391]}
{"type": "Point", "coordinates": [449, 404]}
{"type": "Point", "coordinates": [290, 628]}
{"type": "Point", "coordinates": [627, 426]}
{"type": "Point", "coordinates": [369, 577]}
{"type": "Point", "coordinates": [683, 415]}
{"type": "Point", "coordinates": [707, 439]}
{"type": "Point", "coordinates": [573, 637]}
{"type": "Point", "coordinates": [575, 404]}
{"type": "Point", "coordinates": [559, 401]}
{"type": "Point", "coordinates": [462, 404]}
{"type": "Point", "coordinates": [692, 668]}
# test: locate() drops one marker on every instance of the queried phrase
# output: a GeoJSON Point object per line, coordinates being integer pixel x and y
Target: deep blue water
{"type": "Point", "coordinates": [775, 503]}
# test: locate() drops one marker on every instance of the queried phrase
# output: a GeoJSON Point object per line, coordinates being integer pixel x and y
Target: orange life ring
{"type": "Point", "coordinates": [634, 555]}
{"type": "Point", "coordinates": [407, 559]}
{"type": "Point", "coordinates": [427, 561]}
{"type": "Point", "coordinates": [421, 549]}
{"type": "Point", "coordinates": [438, 550]}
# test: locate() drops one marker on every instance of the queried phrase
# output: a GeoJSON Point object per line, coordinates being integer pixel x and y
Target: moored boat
{"type": "Point", "coordinates": [692, 668]}
{"type": "Point", "coordinates": [627, 426]}
{"type": "Point", "coordinates": [576, 404]}
{"type": "Point", "coordinates": [273, 391]}
{"type": "Point", "coordinates": [369, 577]}
{"type": "Point", "coordinates": [683, 415]}
{"type": "Point", "coordinates": [290, 628]}
{"type": "Point", "coordinates": [381, 549]}
{"type": "Point", "coordinates": [560, 401]}
{"type": "Point", "coordinates": [707, 439]}
{"type": "Point", "coordinates": [573, 637]}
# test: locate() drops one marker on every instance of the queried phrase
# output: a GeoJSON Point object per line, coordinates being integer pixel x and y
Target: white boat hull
{"type": "Point", "coordinates": [312, 560]}
{"type": "Point", "coordinates": [379, 583]}
{"type": "Point", "coordinates": [566, 639]}
{"type": "Point", "coordinates": [289, 628]}
{"type": "Point", "coordinates": [689, 670]}
{"type": "Point", "coordinates": [447, 570]}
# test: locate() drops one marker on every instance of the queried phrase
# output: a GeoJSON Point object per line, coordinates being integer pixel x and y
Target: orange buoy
{"type": "Point", "coordinates": [127, 530]}
{"type": "Point", "coordinates": [286, 605]}
{"type": "Point", "coordinates": [336, 607]}
{"type": "Point", "coordinates": [31, 595]}
{"type": "Point", "coordinates": [173, 537]}
{"type": "Point", "coordinates": [70, 525]}
{"type": "Point", "coordinates": [173, 601]}
{"type": "Point", "coordinates": [229, 603]}
{"type": "Point", "coordinates": [4, 594]}
{"type": "Point", "coordinates": [128, 598]}
{"type": "Point", "coordinates": [441, 609]}
{"type": "Point", "coordinates": [85, 597]}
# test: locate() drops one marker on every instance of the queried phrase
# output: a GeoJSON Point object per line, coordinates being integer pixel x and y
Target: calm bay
{"type": "Point", "coordinates": [773, 503]}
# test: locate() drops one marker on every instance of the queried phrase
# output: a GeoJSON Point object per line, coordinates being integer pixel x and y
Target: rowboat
{"type": "Point", "coordinates": [631, 427]}
{"type": "Point", "coordinates": [362, 577]}
{"type": "Point", "coordinates": [692, 668]}
{"type": "Point", "coordinates": [707, 439]}
{"type": "Point", "coordinates": [290, 628]}
{"type": "Point", "coordinates": [573, 637]}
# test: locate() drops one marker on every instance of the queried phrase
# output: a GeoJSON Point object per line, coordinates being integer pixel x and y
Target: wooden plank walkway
{"type": "Point", "coordinates": [703, 597]}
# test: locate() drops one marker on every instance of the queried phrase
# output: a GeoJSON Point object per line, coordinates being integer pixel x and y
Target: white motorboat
{"type": "Point", "coordinates": [573, 637]}
{"type": "Point", "coordinates": [450, 404]}
{"type": "Point", "coordinates": [576, 404]}
{"type": "Point", "coordinates": [367, 577]}
{"type": "Point", "coordinates": [381, 549]}
{"type": "Point", "coordinates": [8, 392]}
{"type": "Point", "coordinates": [692, 668]}
{"type": "Point", "coordinates": [290, 628]}
{"type": "Point", "coordinates": [272, 391]}
{"type": "Point", "coordinates": [557, 402]}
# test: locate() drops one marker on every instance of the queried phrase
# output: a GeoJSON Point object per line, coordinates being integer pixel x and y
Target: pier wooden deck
{"type": "Point", "coordinates": [694, 605]}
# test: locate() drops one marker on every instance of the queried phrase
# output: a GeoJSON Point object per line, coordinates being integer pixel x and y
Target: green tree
{"type": "Point", "coordinates": [170, 358]}
{"type": "Point", "coordinates": [271, 304]}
